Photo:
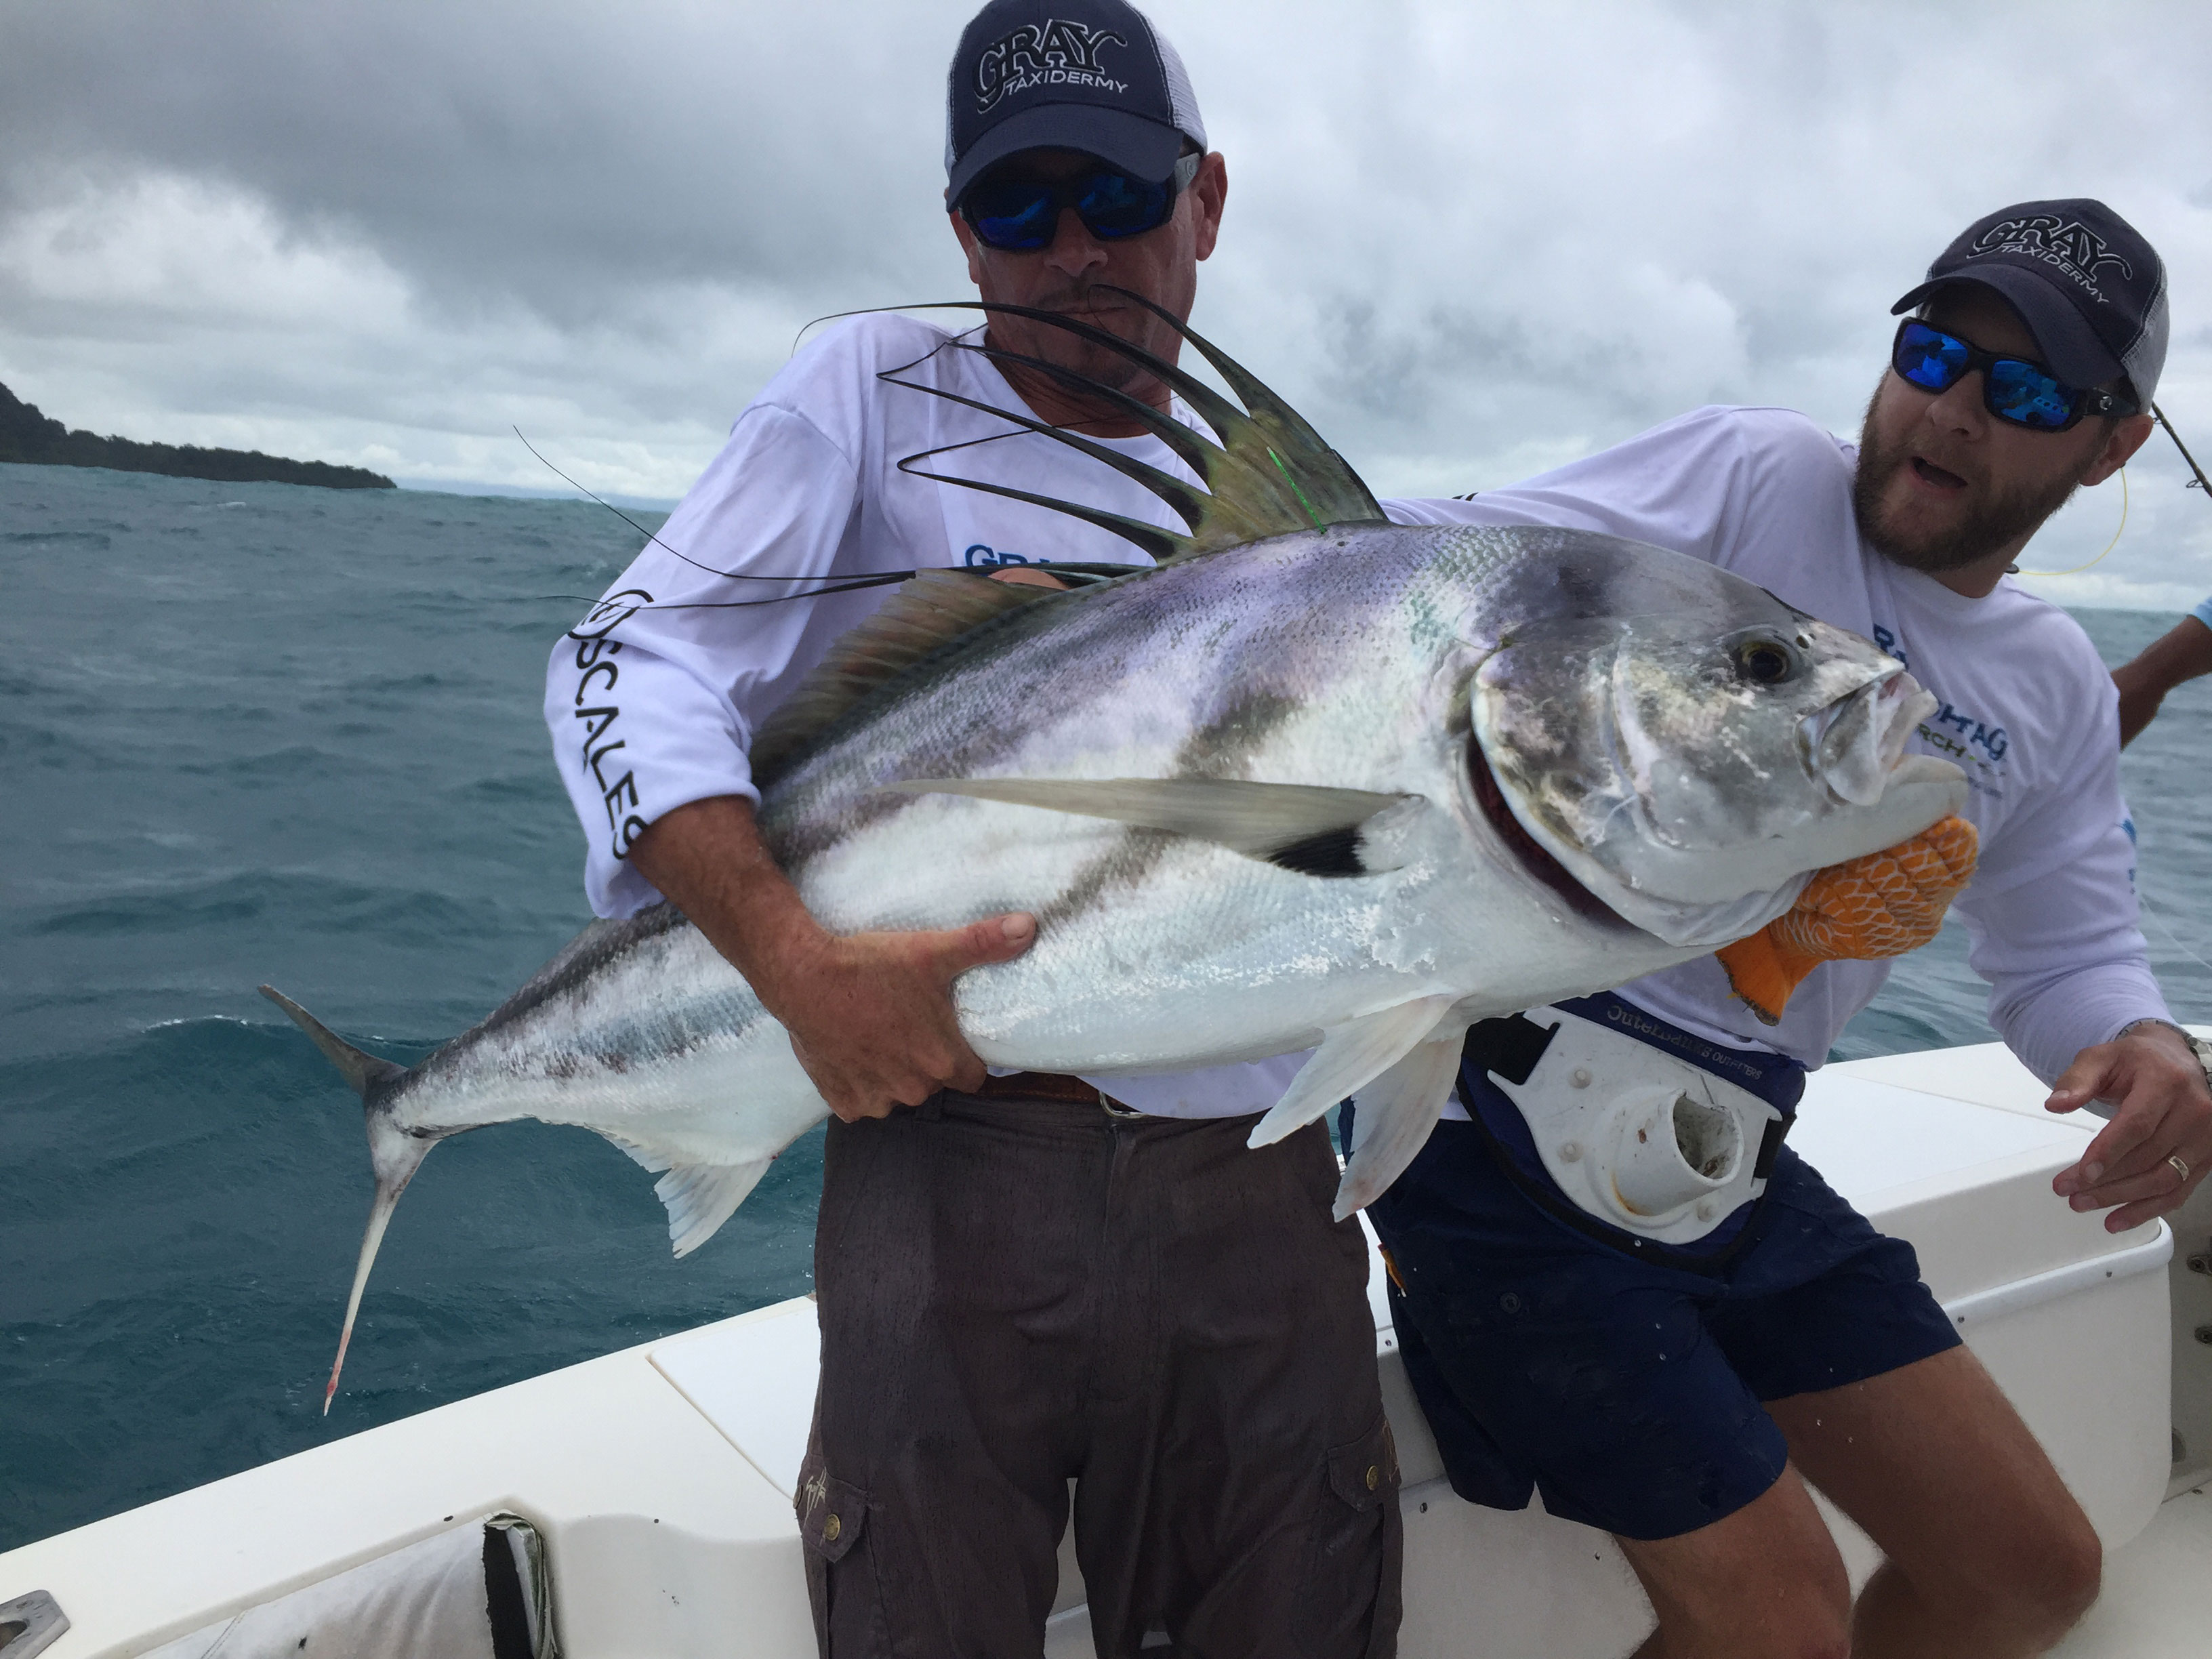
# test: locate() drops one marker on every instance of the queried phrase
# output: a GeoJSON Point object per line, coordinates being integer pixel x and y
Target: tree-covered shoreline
{"type": "Point", "coordinates": [29, 436]}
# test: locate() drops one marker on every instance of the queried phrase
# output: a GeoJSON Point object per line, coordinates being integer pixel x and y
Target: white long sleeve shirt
{"type": "Point", "coordinates": [652, 706]}
{"type": "Point", "coordinates": [2025, 706]}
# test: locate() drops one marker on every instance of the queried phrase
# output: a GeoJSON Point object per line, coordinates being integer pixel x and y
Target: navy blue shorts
{"type": "Point", "coordinates": [1627, 1390]}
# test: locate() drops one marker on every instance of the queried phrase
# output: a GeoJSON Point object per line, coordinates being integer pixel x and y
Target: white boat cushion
{"type": "Point", "coordinates": [479, 1591]}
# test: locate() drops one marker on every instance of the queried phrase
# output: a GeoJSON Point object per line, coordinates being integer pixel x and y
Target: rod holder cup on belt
{"type": "Point", "coordinates": [1671, 1150]}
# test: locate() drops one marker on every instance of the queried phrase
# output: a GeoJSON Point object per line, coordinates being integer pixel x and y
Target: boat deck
{"type": "Point", "coordinates": [660, 1477]}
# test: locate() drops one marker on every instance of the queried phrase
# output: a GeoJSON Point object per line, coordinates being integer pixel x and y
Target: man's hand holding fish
{"type": "Point", "coordinates": [870, 1015]}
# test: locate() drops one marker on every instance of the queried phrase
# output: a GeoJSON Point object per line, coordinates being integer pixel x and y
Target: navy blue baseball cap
{"type": "Point", "coordinates": [2089, 288]}
{"type": "Point", "coordinates": [1088, 74]}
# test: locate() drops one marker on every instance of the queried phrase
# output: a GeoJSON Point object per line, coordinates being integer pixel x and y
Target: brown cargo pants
{"type": "Point", "coordinates": [1017, 1294]}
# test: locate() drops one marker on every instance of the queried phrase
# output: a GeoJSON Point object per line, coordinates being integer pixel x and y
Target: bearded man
{"type": "Point", "coordinates": [1681, 1386]}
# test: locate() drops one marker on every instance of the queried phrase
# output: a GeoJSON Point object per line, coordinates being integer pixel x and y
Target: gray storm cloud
{"type": "Point", "coordinates": [1469, 240]}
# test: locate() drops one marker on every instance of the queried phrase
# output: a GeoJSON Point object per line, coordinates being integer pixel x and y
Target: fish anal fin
{"type": "Point", "coordinates": [700, 1197]}
{"type": "Point", "coordinates": [1309, 829]}
{"type": "Point", "coordinates": [1395, 1114]}
{"type": "Point", "coordinates": [925, 615]}
{"type": "Point", "coordinates": [1351, 1056]}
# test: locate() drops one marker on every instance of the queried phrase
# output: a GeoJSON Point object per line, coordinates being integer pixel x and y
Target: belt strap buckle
{"type": "Point", "coordinates": [1056, 1086]}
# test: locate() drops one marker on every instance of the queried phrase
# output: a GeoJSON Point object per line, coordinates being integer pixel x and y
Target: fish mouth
{"type": "Point", "coordinates": [1855, 744]}
{"type": "Point", "coordinates": [1692, 896]}
{"type": "Point", "coordinates": [1524, 849]}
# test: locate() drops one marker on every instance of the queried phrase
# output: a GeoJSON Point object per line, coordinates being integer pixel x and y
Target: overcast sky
{"type": "Point", "coordinates": [1469, 240]}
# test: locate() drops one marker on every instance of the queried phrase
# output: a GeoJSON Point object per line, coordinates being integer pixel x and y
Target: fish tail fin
{"type": "Point", "coordinates": [393, 1154]}
{"type": "Point", "coordinates": [363, 1070]}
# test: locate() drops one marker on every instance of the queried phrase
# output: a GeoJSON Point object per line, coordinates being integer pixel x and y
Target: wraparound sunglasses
{"type": "Point", "coordinates": [2014, 389]}
{"type": "Point", "coordinates": [1016, 215]}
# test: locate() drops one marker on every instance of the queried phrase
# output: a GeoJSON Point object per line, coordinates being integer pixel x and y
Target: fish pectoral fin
{"type": "Point", "coordinates": [1351, 1056]}
{"type": "Point", "coordinates": [700, 1197]}
{"type": "Point", "coordinates": [1396, 1112]}
{"type": "Point", "coordinates": [1313, 831]}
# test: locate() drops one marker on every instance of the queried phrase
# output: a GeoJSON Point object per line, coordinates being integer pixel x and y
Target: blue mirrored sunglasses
{"type": "Point", "coordinates": [1017, 214]}
{"type": "Point", "coordinates": [2014, 389]}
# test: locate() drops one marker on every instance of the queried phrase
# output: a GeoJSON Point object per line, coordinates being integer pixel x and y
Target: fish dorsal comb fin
{"type": "Point", "coordinates": [1269, 474]}
{"type": "Point", "coordinates": [926, 614]}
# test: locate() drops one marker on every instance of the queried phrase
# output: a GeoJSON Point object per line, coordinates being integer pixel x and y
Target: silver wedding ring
{"type": "Point", "coordinates": [2180, 1168]}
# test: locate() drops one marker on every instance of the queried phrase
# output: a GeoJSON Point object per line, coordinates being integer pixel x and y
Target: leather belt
{"type": "Point", "coordinates": [1054, 1087]}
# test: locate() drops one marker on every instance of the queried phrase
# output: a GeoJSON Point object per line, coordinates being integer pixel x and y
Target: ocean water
{"type": "Point", "coordinates": [262, 732]}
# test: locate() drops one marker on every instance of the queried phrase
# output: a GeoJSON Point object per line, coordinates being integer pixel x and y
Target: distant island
{"type": "Point", "coordinates": [28, 436]}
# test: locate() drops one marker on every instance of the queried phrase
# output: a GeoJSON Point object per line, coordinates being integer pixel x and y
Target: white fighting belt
{"type": "Point", "coordinates": [1642, 1140]}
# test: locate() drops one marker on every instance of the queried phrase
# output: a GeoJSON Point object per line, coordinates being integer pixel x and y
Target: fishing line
{"type": "Point", "coordinates": [2109, 546]}
{"type": "Point", "coordinates": [877, 311]}
{"type": "Point", "coordinates": [2200, 482]}
{"type": "Point", "coordinates": [881, 579]}
{"type": "Point", "coordinates": [2171, 938]}
{"type": "Point", "coordinates": [1072, 573]}
{"type": "Point", "coordinates": [838, 584]}
{"type": "Point", "coordinates": [728, 575]}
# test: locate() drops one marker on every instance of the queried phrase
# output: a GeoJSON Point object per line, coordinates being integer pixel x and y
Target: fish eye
{"type": "Point", "coordinates": [1764, 660]}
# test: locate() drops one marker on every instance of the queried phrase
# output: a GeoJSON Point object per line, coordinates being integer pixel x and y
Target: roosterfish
{"type": "Point", "coordinates": [1311, 781]}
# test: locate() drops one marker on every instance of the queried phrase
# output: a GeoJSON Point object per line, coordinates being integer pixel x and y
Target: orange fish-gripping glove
{"type": "Point", "coordinates": [1881, 905]}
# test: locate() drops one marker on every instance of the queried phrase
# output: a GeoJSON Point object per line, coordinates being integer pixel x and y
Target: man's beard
{"type": "Point", "coordinates": [1125, 320]}
{"type": "Point", "coordinates": [1999, 520]}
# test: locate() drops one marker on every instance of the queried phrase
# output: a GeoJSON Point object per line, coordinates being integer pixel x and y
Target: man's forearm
{"type": "Point", "coordinates": [707, 858]}
{"type": "Point", "coordinates": [2182, 652]}
{"type": "Point", "coordinates": [870, 1015]}
{"type": "Point", "coordinates": [2047, 1021]}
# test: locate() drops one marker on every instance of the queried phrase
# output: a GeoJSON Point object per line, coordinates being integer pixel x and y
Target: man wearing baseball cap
{"type": "Point", "coordinates": [1682, 1381]}
{"type": "Point", "coordinates": [1025, 1285]}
